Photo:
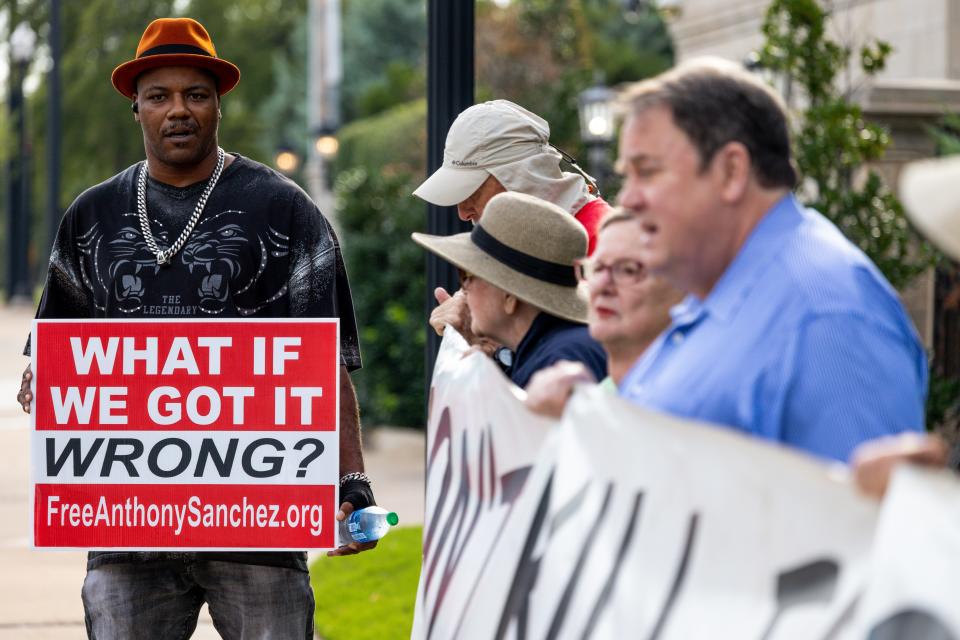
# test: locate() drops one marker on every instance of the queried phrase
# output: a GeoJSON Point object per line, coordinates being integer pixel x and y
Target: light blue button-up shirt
{"type": "Point", "coordinates": [801, 341]}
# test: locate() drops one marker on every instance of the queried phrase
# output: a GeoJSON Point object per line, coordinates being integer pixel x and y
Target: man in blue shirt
{"type": "Point", "coordinates": [788, 331]}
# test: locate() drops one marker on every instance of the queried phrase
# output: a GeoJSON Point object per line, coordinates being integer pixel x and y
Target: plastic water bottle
{"type": "Point", "coordinates": [367, 525]}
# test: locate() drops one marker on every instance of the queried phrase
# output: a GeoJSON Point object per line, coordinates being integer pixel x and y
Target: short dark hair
{"type": "Point", "coordinates": [715, 102]}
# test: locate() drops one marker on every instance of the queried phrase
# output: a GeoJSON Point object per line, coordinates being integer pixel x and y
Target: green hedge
{"type": "Point", "coordinates": [369, 596]}
{"type": "Point", "coordinates": [376, 213]}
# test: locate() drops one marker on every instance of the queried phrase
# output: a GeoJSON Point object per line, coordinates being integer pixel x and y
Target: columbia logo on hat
{"type": "Point", "coordinates": [491, 134]}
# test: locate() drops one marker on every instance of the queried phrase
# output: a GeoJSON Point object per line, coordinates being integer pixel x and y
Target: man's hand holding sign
{"type": "Point", "coordinates": [188, 435]}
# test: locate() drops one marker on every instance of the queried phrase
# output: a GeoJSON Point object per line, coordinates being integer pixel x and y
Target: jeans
{"type": "Point", "coordinates": [162, 600]}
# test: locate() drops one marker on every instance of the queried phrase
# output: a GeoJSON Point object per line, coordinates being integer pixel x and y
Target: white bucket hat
{"type": "Point", "coordinates": [502, 139]}
{"type": "Point", "coordinates": [930, 190]}
{"type": "Point", "coordinates": [525, 246]}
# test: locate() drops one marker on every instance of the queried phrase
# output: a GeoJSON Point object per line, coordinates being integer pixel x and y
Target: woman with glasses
{"type": "Point", "coordinates": [628, 309]}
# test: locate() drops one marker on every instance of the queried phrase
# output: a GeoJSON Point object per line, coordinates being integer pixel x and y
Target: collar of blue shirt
{"type": "Point", "coordinates": [763, 245]}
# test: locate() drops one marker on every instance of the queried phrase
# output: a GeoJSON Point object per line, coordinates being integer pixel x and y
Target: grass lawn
{"type": "Point", "coordinates": [369, 596]}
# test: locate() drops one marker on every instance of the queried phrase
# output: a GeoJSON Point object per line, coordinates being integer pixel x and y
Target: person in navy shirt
{"type": "Point", "coordinates": [788, 332]}
{"type": "Point", "coordinates": [517, 269]}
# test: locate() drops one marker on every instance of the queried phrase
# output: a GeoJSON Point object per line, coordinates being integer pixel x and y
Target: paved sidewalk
{"type": "Point", "coordinates": [40, 590]}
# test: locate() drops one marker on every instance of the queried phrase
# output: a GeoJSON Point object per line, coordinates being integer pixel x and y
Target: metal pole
{"type": "Point", "coordinates": [324, 73]}
{"type": "Point", "coordinates": [16, 266]}
{"type": "Point", "coordinates": [13, 191]}
{"type": "Point", "coordinates": [450, 80]}
{"type": "Point", "coordinates": [53, 126]}
{"type": "Point", "coordinates": [21, 289]}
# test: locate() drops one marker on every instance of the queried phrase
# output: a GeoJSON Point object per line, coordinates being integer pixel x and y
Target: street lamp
{"type": "Point", "coordinates": [286, 160]}
{"type": "Point", "coordinates": [22, 43]}
{"type": "Point", "coordinates": [327, 145]}
{"type": "Point", "coordinates": [596, 128]}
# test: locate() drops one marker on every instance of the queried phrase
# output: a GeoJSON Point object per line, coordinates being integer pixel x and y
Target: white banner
{"type": "Point", "coordinates": [623, 523]}
{"type": "Point", "coordinates": [915, 562]}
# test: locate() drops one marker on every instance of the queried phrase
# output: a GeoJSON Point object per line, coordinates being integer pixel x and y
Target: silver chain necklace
{"type": "Point", "coordinates": [164, 255]}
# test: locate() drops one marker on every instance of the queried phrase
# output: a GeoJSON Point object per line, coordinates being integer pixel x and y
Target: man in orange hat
{"type": "Point", "coordinates": [194, 232]}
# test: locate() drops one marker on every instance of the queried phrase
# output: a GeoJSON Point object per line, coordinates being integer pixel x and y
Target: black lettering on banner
{"type": "Point", "coordinates": [492, 490]}
{"type": "Point", "coordinates": [443, 436]}
{"type": "Point", "coordinates": [209, 451]}
{"type": "Point", "coordinates": [510, 484]}
{"type": "Point", "coordinates": [275, 463]}
{"type": "Point", "coordinates": [465, 531]}
{"type": "Point", "coordinates": [518, 600]}
{"type": "Point", "coordinates": [153, 459]}
{"type": "Point", "coordinates": [70, 451]}
{"type": "Point", "coordinates": [607, 592]}
{"type": "Point", "coordinates": [111, 456]}
{"type": "Point", "coordinates": [844, 619]}
{"type": "Point", "coordinates": [456, 517]}
{"type": "Point", "coordinates": [912, 623]}
{"type": "Point", "coordinates": [678, 579]}
{"type": "Point", "coordinates": [564, 514]}
{"type": "Point", "coordinates": [810, 583]}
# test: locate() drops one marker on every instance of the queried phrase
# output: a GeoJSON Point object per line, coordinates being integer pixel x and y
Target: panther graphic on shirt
{"type": "Point", "coordinates": [121, 266]}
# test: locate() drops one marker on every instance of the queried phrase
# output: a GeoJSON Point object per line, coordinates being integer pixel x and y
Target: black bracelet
{"type": "Point", "coordinates": [358, 493]}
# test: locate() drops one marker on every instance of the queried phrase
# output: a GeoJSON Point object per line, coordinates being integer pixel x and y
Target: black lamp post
{"type": "Point", "coordinates": [53, 125]}
{"type": "Point", "coordinates": [22, 42]}
{"type": "Point", "coordinates": [596, 129]}
{"type": "Point", "coordinates": [450, 79]}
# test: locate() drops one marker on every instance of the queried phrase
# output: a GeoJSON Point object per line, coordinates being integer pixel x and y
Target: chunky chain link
{"type": "Point", "coordinates": [356, 475]}
{"type": "Point", "coordinates": [164, 255]}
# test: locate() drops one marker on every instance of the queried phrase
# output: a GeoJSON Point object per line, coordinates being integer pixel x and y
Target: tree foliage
{"type": "Point", "coordinates": [947, 135]}
{"type": "Point", "coordinates": [384, 51]}
{"type": "Point", "coordinates": [378, 168]}
{"type": "Point", "coordinates": [542, 53]}
{"type": "Point", "coordinates": [834, 144]}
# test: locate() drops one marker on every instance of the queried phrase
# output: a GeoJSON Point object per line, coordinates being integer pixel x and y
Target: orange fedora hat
{"type": "Point", "coordinates": [175, 42]}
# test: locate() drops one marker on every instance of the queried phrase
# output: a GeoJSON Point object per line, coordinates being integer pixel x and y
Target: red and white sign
{"type": "Point", "coordinates": [188, 434]}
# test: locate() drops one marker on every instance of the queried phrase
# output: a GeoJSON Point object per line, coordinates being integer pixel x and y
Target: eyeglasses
{"type": "Point", "coordinates": [623, 272]}
{"type": "Point", "coordinates": [465, 277]}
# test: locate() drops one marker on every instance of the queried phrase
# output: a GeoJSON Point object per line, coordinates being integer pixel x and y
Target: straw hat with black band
{"type": "Point", "coordinates": [530, 255]}
{"type": "Point", "coordinates": [175, 42]}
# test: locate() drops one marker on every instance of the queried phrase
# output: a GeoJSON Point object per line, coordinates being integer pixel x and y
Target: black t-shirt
{"type": "Point", "coordinates": [260, 249]}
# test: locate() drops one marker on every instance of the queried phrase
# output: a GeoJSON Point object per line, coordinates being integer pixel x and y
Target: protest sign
{"type": "Point", "coordinates": [186, 434]}
{"type": "Point", "coordinates": [621, 522]}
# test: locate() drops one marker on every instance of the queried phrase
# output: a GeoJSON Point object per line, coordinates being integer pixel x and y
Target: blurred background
{"type": "Point", "coordinates": [334, 95]}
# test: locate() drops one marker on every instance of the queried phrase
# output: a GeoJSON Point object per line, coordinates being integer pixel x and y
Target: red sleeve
{"type": "Point", "coordinates": [589, 216]}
